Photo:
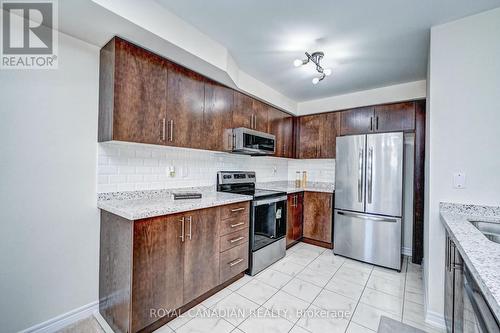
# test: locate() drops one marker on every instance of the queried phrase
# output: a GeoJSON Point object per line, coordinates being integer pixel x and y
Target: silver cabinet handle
{"type": "Point", "coordinates": [236, 240]}
{"type": "Point", "coordinates": [360, 176]}
{"type": "Point", "coordinates": [370, 175]}
{"type": "Point", "coordinates": [365, 217]}
{"type": "Point", "coordinates": [190, 220]}
{"type": "Point", "coordinates": [171, 134]}
{"type": "Point", "coordinates": [237, 209]}
{"type": "Point", "coordinates": [371, 123]}
{"type": "Point", "coordinates": [236, 262]}
{"type": "Point", "coordinates": [376, 123]}
{"type": "Point", "coordinates": [163, 129]}
{"type": "Point", "coordinates": [251, 121]}
{"type": "Point", "coordinates": [183, 221]}
{"type": "Point", "coordinates": [447, 250]}
{"type": "Point", "coordinates": [237, 224]}
{"type": "Point", "coordinates": [255, 121]}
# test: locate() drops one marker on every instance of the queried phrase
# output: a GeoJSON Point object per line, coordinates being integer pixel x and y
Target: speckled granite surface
{"type": "Point", "coordinates": [135, 205]}
{"type": "Point", "coordinates": [289, 187]}
{"type": "Point", "coordinates": [481, 255]}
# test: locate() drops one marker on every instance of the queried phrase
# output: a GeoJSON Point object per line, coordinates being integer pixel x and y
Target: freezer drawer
{"type": "Point", "coordinates": [369, 238]}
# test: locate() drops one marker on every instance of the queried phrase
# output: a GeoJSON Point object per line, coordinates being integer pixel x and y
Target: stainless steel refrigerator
{"type": "Point", "coordinates": [369, 198]}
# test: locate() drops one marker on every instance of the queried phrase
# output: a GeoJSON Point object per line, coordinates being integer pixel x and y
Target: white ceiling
{"type": "Point", "coordinates": [368, 43]}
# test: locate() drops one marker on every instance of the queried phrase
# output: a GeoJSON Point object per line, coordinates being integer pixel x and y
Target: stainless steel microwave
{"type": "Point", "coordinates": [251, 142]}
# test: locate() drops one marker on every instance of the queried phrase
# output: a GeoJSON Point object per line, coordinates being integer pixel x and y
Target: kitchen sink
{"type": "Point", "coordinates": [490, 230]}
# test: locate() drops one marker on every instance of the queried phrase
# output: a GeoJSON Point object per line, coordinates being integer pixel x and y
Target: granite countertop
{"type": "Point", "coordinates": [289, 187]}
{"type": "Point", "coordinates": [481, 256]}
{"type": "Point", "coordinates": [135, 205]}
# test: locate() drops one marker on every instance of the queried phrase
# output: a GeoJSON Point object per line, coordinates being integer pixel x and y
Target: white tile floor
{"type": "Point", "coordinates": [294, 294]}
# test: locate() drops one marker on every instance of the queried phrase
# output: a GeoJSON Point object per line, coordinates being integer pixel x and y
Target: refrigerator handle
{"type": "Point", "coordinates": [367, 217]}
{"type": "Point", "coordinates": [370, 174]}
{"type": "Point", "coordinates": [360, 176]}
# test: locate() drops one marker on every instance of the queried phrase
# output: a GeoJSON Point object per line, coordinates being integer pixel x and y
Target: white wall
{"type": "Point", "coordinates": [463, 128]}
{"type": "Point", "coordinates": [128, 166]}
{"type": "Point", "coordinates": [395, 93]}
{"type": "Point", "coordinates": [49, 243]}
{"type": "Point", "coordinates": [318, 170]}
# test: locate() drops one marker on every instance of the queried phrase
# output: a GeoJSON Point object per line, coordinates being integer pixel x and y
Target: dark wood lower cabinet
{"type": "Point", "coordinates": [294, 218]}
{"type": "Point", "coordinates": [157, 276]}
{"type": "Point", "coordinates": [318, 218]}
{"type": "Point", "coordinates": [166, 263]}
{"type": "Point", "coordinates": [201, 253]}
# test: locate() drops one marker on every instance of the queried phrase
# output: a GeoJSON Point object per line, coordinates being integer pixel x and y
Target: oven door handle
{"type": "Point", "coordinates": [268, 201]}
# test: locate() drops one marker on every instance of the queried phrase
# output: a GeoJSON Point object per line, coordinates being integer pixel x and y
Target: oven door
{"type": "Point", "coordinates": [268, 221]}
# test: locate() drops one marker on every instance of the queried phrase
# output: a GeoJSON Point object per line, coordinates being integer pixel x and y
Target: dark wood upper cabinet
{"type": "Point", "coordinates": [133, 94]}
{"type": "Point", "coordinates": [185, 107]}
{"type": "Point", "coordinates": [317, 135]}
{"type": "Point", "coordinates": [249, 112]}
{"type": "Point", "coordinates": [157, 276]}
{"type": "Point", "coordinates": [395, 117]}
{"type": "Point", "coordinates": [201, 258]}
{"type": "Point", "coordinates": [280, 124]}
{"type": "Point", "coordinates": [318, 216]}
{"type": "Point", "coordinates": [260, 111]}
{"type": "Point", "coordinates": [217, 115]}
{"type": "Point", "coordinates": [357, 121]}
{"type": "Point", "coordinates": [330, 129]}
{"type": "Point", "coordinates": [309, 136]}
{"type": "Point", "coordinates": [242, 110]}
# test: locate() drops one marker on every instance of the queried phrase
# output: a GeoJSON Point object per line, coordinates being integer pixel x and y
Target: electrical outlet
{"type": "Point", "coordinates": [459, 180]}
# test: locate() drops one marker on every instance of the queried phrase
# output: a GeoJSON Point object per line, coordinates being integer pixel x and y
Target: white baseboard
{"type": "Point", "coordinates": [435, 319]}
{"type": "Point", "coordinates": [61, 321]}
{"type": "Point", "coordinates": [407, 251]}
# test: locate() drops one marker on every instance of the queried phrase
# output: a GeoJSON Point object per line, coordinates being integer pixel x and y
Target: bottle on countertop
{"type": "Point", "coordinates": [304, 178]}
{"type": "Point", "coordinates": [297, 179]}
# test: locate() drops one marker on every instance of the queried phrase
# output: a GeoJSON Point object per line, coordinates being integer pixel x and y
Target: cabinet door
{"type": "Point", "coordinates": [280, 124]}
{"type": "Point", "coordinates": [329, 131]}
{"type": "Point", "coordinates": [309, 136]}
{"type": "Point", "coordinates": [201, 252]}
{"type": "Point", "coordinates": [356, 121]}
{"type": "Point", "coordinates": [242, 111]}
{"type": "Point", "coordinates": [395, 117]}
{"type": "Point", "coordinates": [298, 217]}
{"type": "Point", "coordinates": [157, 281]}
{"type": "Point", "coordinates": [290, 215]}
{"type": "Point", "coordinates": [185, 105]}
{"type": "Point", "coordinates": [217, 115]}
{"type": "Point", "coordinates": [260, 111]}
{"type": "Point", "coordinates": [318, 216]}
{"type": "Point", "coordinates": [139, 96]}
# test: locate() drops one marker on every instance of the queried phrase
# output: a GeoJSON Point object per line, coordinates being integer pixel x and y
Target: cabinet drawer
{"type": "Point", "coordinates": [236, 210]}
{"type": "Point", "coordinates": [233, 239]}
{"type": "Point", "coordinates": [233, 262]}
{"type": "Point", "coordinates": [234, 224]}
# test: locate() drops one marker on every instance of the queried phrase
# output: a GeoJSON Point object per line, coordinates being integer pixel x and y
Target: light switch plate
{"type": "Point", "coordinates": [459, 180]}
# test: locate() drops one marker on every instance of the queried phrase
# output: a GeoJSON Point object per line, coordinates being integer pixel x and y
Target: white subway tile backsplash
{"type": "Point", "coordinates": [130, 166]}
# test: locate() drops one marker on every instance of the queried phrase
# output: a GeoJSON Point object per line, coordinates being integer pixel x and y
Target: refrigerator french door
{"type": "Point", "coordinates": [368, 198]}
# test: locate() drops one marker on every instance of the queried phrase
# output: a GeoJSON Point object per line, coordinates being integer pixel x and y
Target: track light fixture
{"type": "Point", "coordinates": [316, 59]}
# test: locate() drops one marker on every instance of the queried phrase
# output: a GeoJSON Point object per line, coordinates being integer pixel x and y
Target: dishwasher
{"type": "Point", "coordinates": [466, 309]}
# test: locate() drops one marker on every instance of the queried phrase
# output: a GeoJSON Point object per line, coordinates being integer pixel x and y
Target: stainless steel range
{"type": "Point", "coordinates": [267, 218]}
